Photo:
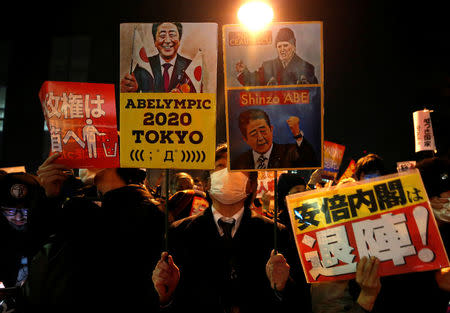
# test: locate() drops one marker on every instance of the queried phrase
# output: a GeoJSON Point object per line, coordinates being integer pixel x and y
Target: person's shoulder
{"type": "Point", "coordinates": [262, 220]}
{"type": "Point", "coordinates": [189, 221]}
{"type": "Point", "coordinates": [183, 60]}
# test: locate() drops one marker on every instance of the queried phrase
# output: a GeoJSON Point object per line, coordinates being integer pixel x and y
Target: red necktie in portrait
{"type": "Point", "coordinates": [166, 76]}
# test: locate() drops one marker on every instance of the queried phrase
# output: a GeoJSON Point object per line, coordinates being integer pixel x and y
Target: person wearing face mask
{"type": "Point", "coordinates": [101, 246]}
{"type": "Point", "coordinates": [222, 260]}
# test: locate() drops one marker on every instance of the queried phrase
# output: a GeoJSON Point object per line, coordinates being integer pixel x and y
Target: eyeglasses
{"type": "Point", "coordinates": [13, 211]}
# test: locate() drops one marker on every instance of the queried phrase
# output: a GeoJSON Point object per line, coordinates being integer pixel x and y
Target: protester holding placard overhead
{"type": "Point", "coordinates": [222, 260]}
{"type": "Point", "coordinates": [257, 132]}
{"type": "Point", "coordinates": [422, 290]}
{"type": "Point", "coordinates": [104, 248]}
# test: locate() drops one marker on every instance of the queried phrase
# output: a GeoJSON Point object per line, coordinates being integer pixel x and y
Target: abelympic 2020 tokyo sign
{"type": "Point", "coordinates": [168, 79]}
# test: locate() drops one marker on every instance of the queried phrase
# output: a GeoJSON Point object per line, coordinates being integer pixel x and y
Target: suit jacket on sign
{"type": "Point", "coordinates": [282, 156]}
{"type": "Point", "coordinates": [156, 84]}
{"type": "Point", "coordinates": [297, 72]}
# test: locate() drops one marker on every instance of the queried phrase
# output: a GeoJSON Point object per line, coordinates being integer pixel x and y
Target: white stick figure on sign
{"type": "Point", "coordinates": [89, 136]}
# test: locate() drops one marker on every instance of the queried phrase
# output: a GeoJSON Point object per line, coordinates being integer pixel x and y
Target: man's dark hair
{"type": "Point", "coordinates": [370, 163]}
{"type": "Point", "coordinates": [286, 182]}
{"type": "Point", "coordinates": [250, 115]}
{"type": "Point", "coordinates": [156, 25]}
{"type": "Point", "coordinates": [132, 175]}
{"type": "Point", "coordinates": [182, 181]}
{"type": "Point", "coordinates": [435, 175]}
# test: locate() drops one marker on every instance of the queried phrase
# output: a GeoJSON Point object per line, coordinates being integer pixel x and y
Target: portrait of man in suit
{"type": "Point", "coordinates": [167, 65]}
{"type": "Point", "coordinates": [287, 69]}
{"type": "Point", "coordinates": [257, 132]}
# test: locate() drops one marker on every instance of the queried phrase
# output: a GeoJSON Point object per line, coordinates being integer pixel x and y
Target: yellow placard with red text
{"type": "Point", "coordinates": [388, 217]}
{"type": "Point", "coordinates": [168, 130]}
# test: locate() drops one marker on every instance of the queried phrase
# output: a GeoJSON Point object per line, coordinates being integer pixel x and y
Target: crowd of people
{"type": "Point", "coordinates": [82, 240]}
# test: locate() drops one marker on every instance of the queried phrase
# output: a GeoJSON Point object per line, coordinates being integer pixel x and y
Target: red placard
{"type": "Point", "coordinates": [81, 119]}
{"type": "Point", "coordinates": [333, 154]}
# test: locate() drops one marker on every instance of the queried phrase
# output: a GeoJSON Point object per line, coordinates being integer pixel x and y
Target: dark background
{"type": "Point", "coordinates": [383, 60]}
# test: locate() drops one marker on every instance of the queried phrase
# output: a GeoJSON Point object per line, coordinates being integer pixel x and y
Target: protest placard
{"type": "Point", "coordinates": [349, 172]}
{"type": "Point", "coordinates": [168, 84]}
{"type": "Point", "coordinates": [423, 131]}
{"type": "Point", "coordinates": [388, 217]}
{"type": "Point", "coordinates": [333, 154]}
{"type": "Point", "coordinates": [274, 96]}
{"type": "Point", "coordinates": [81, 119]}
{"type": "Point", "coordinates": [405, 165]}
{"type": "Point", "coordinates": [167, 130]}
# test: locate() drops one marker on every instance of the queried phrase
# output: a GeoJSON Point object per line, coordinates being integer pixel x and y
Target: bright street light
{"type": "Point", "coordinates": [255, 15]}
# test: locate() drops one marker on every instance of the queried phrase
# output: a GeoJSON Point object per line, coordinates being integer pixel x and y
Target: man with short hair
{"type": "Point", "coordinates": [218, 258]}
{"type": "Point", "coordinates": [287, 69]}
{"type": "Point", "coordinates": [167, 66]}
{"type": "Point", "coordinates": [185, 200]}
{"type": "Point", "coordinates": [369, 166]}
{"type": "Point", "coordinates": [257, 132]}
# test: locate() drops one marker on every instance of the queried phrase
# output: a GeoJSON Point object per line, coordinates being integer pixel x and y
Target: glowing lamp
{"type": "Point", "coordinates": [255, 15]}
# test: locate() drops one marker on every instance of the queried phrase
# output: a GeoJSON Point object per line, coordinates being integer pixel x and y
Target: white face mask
{"type": "Point", "coordinates": [87, 175]}
{"type": "Point", "coordinates": [228, 187]}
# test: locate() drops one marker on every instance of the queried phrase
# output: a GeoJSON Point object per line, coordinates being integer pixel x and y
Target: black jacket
{"type": "Point", "coordinates": [102, 257]}
{"type": "Point", "coordinates": [155, 83]}
{"type": "Point", "coordinates": [204, 286]}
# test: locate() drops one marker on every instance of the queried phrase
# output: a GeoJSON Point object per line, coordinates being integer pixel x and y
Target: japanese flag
{"type": "Point", "coordinates": [140, 54]}
{"type": "Point", "coordinates": [195, 71]}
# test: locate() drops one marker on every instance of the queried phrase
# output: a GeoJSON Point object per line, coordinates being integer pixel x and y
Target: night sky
{"type": "Point", "coordinates": [383, 60]}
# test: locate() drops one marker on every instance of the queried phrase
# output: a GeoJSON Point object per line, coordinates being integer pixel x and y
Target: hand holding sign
{"type": "Point", "coordinates": [128, 83]}
{"type": "Point", "coordinates": [368, 279]}
{"type": "Point", "coordinates": [165, 277]}
{"type": "Point", "coordinates": [52, 176]}
{"type": "Point", "coordinates": [277, 270]}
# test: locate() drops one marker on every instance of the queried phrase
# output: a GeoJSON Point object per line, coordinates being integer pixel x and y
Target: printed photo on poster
{"type": "Point", "coordinates": [168, 57]}
{"type": "Point", "coordinates": [285, 54]}
{"type": "Point", "coordinates": [274, 128]}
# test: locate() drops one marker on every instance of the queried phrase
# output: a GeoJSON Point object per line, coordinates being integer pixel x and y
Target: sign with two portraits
{"type": "Point", "coordinates": [274, 96]}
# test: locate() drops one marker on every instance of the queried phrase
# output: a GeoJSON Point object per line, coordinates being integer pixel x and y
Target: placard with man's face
{"type": "Point", "coordinates": [274, 96]}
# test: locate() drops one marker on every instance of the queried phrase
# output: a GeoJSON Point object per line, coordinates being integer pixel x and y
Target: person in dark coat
{"type": "Point", "coordinates": [103, 251]}
{"type": "Point", "coordinates": [223, 259]}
